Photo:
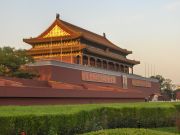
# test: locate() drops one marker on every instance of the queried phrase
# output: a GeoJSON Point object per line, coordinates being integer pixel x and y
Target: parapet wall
{"type": "Point", "coordinates": [78, 74]}
{"type": "Point", "coordinates": [62, 83]}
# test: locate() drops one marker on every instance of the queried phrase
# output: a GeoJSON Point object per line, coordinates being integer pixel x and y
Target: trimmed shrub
{"type": "Point", "coordinates": [178, 117]}
{"type": "Point", "coordinates": [98, 118]}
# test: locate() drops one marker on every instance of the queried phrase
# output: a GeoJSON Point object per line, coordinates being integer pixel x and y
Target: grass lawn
{"type": "Point", "coordinates": [135, 131]}
{"type": "Point", "coordinates": [71, 109]}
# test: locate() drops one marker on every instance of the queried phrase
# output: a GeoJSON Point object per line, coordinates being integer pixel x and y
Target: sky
{"type": "Point", "coordinates": [150, 28]}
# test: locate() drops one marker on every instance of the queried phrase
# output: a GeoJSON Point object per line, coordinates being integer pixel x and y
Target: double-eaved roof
{"type": "Point", "coordinates": [61, 30]}
{"type": "Point", "coordinates": [71, 31]}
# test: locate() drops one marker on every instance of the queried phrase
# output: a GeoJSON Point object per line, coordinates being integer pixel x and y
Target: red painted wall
{"type": "Point", "coordinates": [58, 85]}
{"type": "Point", "coordinates": [178, 95]}
{"type": "Point", "coordinates": [73, 76]}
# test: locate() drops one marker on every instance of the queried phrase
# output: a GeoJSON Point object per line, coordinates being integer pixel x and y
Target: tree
{"type": "Point", "coordinates": [166, 86]}
{"type": "Point", "coordinates": [12, 61]}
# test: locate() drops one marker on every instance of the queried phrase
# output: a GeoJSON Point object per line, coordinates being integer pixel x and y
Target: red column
{"type": "Point", "coordinates": [95, 62]}
{"type": "Point", "coordinates": [132, 70]}
{"type": "Point", "coordinates": [88, 60]}
{"type": "Point", "coordinates": [81, 59]}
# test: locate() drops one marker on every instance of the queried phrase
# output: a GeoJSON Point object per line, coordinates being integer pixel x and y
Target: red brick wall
{"type": "Point", "coordinates": [155, 87]}
{"type": "Point", "coordinates": [178, 95]}
{"type": "Point", "coordinates": [68, 75]}
{"type": "Point", "coordinates": [52, 101]}
{"type": "Point", "coordinates": [33, 93]}
{"type": "Point", "coordinates": [10, 81]}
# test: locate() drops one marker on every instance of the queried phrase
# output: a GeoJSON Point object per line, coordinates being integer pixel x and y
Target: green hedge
{"type": "Point", "coordinates": [96, 118]}
{"type": "Point", "coordinates": [178, 117]}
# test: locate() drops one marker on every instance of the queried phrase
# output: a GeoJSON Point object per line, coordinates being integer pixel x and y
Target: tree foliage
{"type": "Point", "coordinates": [12, 62]}
{"type": "Point", "coordinates": [166, 85]}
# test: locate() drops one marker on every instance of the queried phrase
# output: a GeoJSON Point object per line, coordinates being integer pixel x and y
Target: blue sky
{"type": "Point", "coordinates": [150, 28]}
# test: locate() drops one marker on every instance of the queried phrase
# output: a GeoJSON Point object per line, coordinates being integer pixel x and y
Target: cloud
{"type": "Point", "coordinates": [172, 7]}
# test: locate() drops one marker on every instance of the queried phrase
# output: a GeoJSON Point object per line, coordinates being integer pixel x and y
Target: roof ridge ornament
{"type": "Point", "coordinates": [104, 35]}
{"type": "Point", "coordinates": [57, 16]}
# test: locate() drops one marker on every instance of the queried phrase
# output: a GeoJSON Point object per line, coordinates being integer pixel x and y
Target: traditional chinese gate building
{"type": "Point", "coordinates": [77, 66]}
{"type": "Point", "coordinates": [66, 42]}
